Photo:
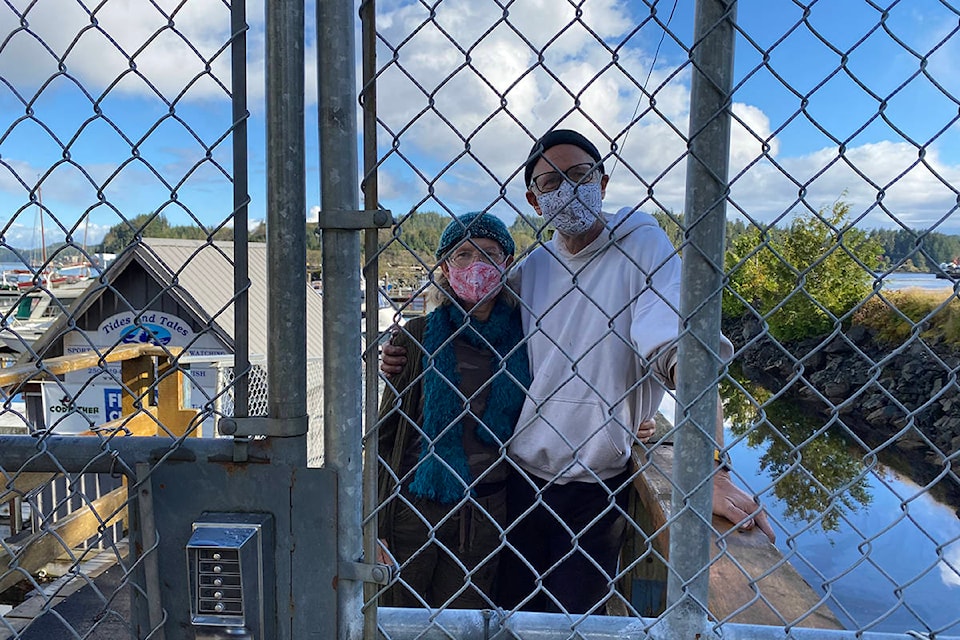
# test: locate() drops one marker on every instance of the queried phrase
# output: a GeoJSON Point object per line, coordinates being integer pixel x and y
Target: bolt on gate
{"type": "Point", "coordinates": [143, 471]}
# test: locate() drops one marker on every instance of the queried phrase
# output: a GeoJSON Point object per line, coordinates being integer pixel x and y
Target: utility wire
{"type": "Point", "coordinates": [643, 89]}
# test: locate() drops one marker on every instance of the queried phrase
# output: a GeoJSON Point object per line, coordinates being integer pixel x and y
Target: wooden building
{"type": "Point", "coordinates": [170, 292]}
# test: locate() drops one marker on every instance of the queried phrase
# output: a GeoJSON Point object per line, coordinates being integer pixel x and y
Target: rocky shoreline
{"type": "Point", "coordinates": [904, 395]}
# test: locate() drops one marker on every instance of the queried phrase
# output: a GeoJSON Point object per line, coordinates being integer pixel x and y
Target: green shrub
{"type": "Point", "coordinates": [803, 280]}
{"type": "Point", "coordinates": [933, 315]}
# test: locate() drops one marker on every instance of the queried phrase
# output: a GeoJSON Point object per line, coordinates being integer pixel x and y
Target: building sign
{"type": "Point", "coordinates": [99, 386]}
{"type": "Point", "coordinates": [66, 413]}
{"type": "Point", "coordinates": [153, 327]}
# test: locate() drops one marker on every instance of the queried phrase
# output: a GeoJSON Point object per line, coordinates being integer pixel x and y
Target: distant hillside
{"type": "Point", "coordinates": [411, 246]}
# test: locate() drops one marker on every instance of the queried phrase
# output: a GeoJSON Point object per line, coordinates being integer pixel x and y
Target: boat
{"type": "Point", "coordinates": [32, 297]}
{"type": "Point", "coordinates": [387, 312]}
{"type": "Point", "coordinates": [21, 327]}
{"type": "Point", "coordinates": [46, 278]}
{"type": "Point", "coordinates": [949, 270]}
{"type": "Point", "coordinates": [78, 271]}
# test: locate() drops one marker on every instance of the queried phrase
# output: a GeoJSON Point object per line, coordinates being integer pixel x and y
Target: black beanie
{"type": "Point", "coordinates": [552, 139]}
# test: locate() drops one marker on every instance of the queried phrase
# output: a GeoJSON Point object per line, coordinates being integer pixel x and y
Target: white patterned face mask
{"type": "Point", "coordinates": [571, 208]}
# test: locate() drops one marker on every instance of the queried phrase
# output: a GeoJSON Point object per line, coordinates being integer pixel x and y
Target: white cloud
{"type": "Point", "coordinates": [499, 99]}
{"type": "Point", "coordinates": [433, 98]}
{"type": "Point", "coordinates": [468, 91]}
{"type": "Point", "coordinates": [162, 46]}
{"type": "Point", "coordinates": [879, 180]}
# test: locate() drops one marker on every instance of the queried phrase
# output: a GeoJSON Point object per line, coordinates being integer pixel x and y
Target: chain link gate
{"type": "Point", "coordinates": [455, 93]}
{"type": "Point", "coordinates": [155, 416]}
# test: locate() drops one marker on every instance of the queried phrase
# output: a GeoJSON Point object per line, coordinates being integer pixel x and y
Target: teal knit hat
{"type": "Point", "coordinates": [476, 225]}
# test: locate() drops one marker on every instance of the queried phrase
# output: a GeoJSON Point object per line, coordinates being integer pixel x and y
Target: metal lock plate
{"type": "Point", "coordinates": [226, 564]}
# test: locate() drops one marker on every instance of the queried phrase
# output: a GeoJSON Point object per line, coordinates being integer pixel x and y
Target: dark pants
{"type": "Point", "coordinates": [572, 539]}
{"type": "Point", "coordinates": [450, 565]}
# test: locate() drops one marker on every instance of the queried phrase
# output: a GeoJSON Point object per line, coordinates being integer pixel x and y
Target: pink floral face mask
{"type": "Point", "coordinates": [477, 282]}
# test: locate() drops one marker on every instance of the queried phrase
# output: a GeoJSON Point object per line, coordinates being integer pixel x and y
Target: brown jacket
{"type": "Point", "coordinates": [401, 411]}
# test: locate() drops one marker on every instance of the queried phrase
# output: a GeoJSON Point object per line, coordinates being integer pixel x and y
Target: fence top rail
{"type": "Point", "coordinates": [79, 361]}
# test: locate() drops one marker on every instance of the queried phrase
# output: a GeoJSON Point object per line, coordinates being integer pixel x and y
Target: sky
{"type": "Point", "coordinates": [108, 116]}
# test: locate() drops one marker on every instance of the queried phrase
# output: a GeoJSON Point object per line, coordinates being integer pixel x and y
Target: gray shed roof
{"type": "Point", "coordinates": [203, 276]}
{"type": "Point", "coordinates": [205, 272]}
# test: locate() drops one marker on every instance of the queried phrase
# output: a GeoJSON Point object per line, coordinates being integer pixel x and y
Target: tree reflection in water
{"type": "Point", "coordinates": [813, 468]}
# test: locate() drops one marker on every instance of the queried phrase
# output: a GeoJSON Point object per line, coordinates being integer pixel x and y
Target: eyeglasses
{"type": "Point", "coordinates": [463, 258]}
{"type": "Point", "coordinates": [577, 174]}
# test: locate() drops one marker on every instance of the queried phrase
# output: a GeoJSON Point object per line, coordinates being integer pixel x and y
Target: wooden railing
{"type": "Point", "coordinates": [140, 416]}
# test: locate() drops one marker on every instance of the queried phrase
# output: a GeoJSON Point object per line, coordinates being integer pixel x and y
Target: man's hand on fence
{"type": "Point", "coordinates": [383, 553]}
{"type": "Point", "coordinates": [738, 506]}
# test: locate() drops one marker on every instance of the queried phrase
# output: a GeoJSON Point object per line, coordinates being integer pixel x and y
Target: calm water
{"type": "Point", "coordinates": [915, 281]}
{"type": "Point", "coordinates": [900, 537]}
{"type": "Point", "coordinates": [891, 541]}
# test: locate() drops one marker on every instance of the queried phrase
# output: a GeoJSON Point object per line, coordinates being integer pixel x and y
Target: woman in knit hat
{"type": "Point", "coordinates": [444, 421]}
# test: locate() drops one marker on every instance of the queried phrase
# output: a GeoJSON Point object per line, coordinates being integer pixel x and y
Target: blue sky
{"type": "Point", "coordinates": [100, 139]}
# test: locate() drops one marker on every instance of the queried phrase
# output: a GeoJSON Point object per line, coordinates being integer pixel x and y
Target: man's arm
{"type": "Point", "coordinates": [393, 357]}
{"type": "Point", "coordinates": [732, 502]}
{"type": "Point", "coordinates": [729, 500]}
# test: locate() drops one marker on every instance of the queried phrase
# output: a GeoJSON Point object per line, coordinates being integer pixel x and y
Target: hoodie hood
{"type": "Point", "coordinates": [616, 227]}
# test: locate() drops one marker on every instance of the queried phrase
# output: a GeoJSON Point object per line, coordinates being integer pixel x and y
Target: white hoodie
{"type": "Point", "coordinates": [601, 325]}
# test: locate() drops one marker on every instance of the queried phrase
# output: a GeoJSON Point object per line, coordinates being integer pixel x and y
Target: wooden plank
{"type": "Point", "coordinates": [65, 534]}
{"type": "Point", "coordinates": [137, 376]}
{"type": "Point", "coordinates": [79, 361]}
{"type": "Point", "coordinates": [54, 593]}
{"type": "Point", "coordinates": [748, 571]}
{"type": "Point", "coordinates": [170, 411]}
{"type": "Point", "coordinates": [142, 423]}
{"type": "Point", "coordinates": [24, 483]}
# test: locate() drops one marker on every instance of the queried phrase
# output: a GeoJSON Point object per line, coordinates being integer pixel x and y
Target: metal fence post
{"type": "Point", "coordinates": [286, 260]}
{"type": "Point", "coordinates": [339, 185]}
{"type": "Point", "coordinates": [368, 38]}
{"type": "Point", "coordinates": [286, 228]}
{"type": "Point", "coordinates": [241, 201]}
{"type": "Point", "coordinates": [702, 278]}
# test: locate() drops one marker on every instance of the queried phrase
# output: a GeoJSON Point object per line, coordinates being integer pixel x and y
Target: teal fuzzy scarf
{"type": "Point", "coordinates": [442, 458]}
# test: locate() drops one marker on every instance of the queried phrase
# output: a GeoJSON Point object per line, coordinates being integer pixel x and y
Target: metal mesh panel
{"type": "Point", "coordinates": [116, 128]}
{"type": "Point", "coordinates": [839, 390]}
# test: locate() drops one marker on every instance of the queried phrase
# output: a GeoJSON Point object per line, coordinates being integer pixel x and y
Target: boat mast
{"type": "Point", "coordinates": [43, 243]}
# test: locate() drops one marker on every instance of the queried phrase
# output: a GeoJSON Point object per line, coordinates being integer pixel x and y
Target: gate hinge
{"type": "Point", "coordinates": [360, 572]}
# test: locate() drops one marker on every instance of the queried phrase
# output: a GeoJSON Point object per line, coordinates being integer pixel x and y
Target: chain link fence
{"type": "Point", "coordinates": [765, 171]}
{"type": "Point", "coordinates": [843, 428]}
{"type": "Point", "coordinates": [116, 129]}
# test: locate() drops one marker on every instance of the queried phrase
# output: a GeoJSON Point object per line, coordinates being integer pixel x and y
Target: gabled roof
{"type": "Point", "coordinates": [199, 275]}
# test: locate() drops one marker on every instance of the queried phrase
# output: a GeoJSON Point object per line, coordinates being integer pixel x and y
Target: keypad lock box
{"type": "Point", "coordinates": [230, 566]}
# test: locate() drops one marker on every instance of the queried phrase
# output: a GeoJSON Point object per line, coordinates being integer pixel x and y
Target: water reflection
{"type": "Point", "coordinates": [811, 466]}
{"type": "Point", "coordinates": [880, 539]}
{"type": "Point", "coordinates": [950, 566]}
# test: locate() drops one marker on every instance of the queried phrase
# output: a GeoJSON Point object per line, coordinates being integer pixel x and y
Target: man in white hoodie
{"type": "Point", "coordinates": [600, 305]}
{"type": "Point", "coordinates": [600, 313]}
